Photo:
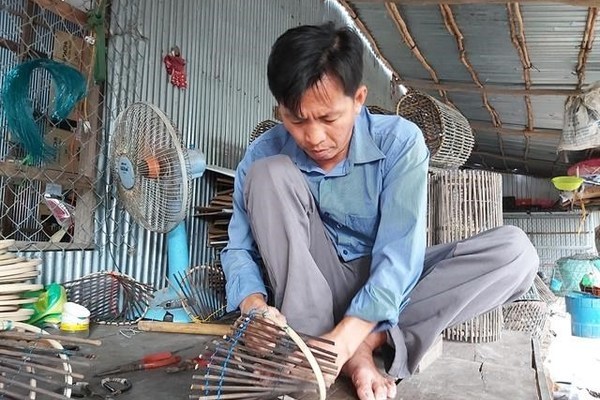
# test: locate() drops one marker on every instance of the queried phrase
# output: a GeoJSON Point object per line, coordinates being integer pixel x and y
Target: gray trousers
{"type": "Point", "coordinates": [313, 287]}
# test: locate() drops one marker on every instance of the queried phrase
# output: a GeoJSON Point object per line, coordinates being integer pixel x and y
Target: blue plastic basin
{"type": "Point", "coordinates": [585, 314]}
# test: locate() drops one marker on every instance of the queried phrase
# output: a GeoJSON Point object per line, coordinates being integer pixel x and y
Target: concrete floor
{"type": "Point", "coordinates": [500, 370]}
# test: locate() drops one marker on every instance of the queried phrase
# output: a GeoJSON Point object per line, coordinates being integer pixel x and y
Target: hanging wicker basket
{"type": "Point", "coordinates": [447, 132]}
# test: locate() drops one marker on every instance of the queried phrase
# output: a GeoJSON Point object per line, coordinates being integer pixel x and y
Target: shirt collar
{"type": "Point", "coordinates": [362, 148]}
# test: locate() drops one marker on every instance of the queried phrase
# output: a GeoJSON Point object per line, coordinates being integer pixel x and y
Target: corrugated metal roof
{"type": "Point", "coordinates": [553, 38]}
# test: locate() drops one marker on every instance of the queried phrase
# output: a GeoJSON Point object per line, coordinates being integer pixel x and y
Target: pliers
{"type": "Point", "coordinates": [150, 361]}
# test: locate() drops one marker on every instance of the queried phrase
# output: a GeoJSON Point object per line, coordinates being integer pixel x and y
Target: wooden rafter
{"type": "Point", "coordinates": [515, 159]}
{"type": "Point", "coordinates": [453, 28]}
{"type": "Point", "coordinates": [517, 36]}
{"type": "Point", "coordinates": [586, 45]}
{"type": "Point", "coordinates": [483, 126]}
{"type": "Point", "coordinates": [488, 88]}
{"type": "Point", "coordinates": [367, 34]}
{"type": "Point", "coordinates": [410, 43]}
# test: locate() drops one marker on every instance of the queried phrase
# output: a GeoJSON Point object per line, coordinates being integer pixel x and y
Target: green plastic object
{"type": "Point", "coordinates": [48, 307]}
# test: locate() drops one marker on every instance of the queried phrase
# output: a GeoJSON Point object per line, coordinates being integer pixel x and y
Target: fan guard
{"type": "Point", "coordinates": [150, 167]}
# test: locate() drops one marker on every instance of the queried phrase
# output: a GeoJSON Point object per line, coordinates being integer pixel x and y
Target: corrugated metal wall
{"type": "Point", "coordinates": [557, 234]}
{"type": "Point", "coordinates": [225, 45]}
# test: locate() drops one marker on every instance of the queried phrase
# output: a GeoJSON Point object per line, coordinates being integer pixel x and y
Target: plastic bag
{"type": "Point", "coordinates": [581, 124]}
{"type": "Point", "coordinates": [48, 307]}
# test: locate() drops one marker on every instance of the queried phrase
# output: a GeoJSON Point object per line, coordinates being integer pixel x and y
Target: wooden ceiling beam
{"type": "Point", "coordinates": [582, 3]}
{"type": "Point", "coordinates": [514, 159]}
{"type": "Point", "coordinates": [514, 90]}
{"type": "Point", "coordinates": [587, 42]}
{"type": "Point", "coordinates": [483, 126]}
{"type": "Point", "coordinates": [454, 30]}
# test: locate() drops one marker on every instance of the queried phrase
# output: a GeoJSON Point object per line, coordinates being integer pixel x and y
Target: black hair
{"type": "Point", "coordinates": [302, 56]}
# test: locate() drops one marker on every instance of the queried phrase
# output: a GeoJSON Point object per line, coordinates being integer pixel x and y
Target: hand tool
{"type": "Point", "coordinates": [199, 328]}
{"type": "Point", "coordinates": [150, 361]}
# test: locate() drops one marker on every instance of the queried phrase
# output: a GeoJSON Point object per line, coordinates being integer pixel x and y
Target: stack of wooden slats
{"type": "Point", "coordinates": [218, 212]}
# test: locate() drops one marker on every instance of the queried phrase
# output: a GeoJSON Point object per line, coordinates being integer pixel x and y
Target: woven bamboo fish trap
{"type": "Point", "coordinates": [462, 204]}
{"type": "Point", "coordinates": [261, 128]}
{"type": "Point", "coordinates": [202, 289]}
{"type": "Point", "coordinates": [112, 298]}
{"type": "Point", "coordinates": [526, 316]}
{"type": "Point", "coordinates": [262, 359]}
{"type": "Point", "coordinates": [447, 132]}
{"type": "Point", "coordinates": [373, 109]}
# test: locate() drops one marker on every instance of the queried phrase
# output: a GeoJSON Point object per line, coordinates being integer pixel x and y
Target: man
{"type": "Point", "coordinates": [328, 227]}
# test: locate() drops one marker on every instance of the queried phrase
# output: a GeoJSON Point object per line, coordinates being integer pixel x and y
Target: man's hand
{"type": "Point", "coordinates": [255, 303]}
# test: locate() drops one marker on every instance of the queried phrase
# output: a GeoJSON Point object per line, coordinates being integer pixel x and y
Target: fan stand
{"type": "Point", "coordinates": [167, 301]}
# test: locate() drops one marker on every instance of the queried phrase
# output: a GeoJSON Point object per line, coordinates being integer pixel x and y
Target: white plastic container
{"type": "Point", "coordinates": [75, 320]}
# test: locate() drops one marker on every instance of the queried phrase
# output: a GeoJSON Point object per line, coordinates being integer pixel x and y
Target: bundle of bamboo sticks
{"type": "Point", "coordinates": [262, 359]}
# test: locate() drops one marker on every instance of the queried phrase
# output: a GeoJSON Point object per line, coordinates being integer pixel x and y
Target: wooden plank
{"type": "Point", "coordinates": [582, 3]}
{"type": "Point", "coordinates": [543, 383]}
{"type": "Point", "coordinates": [515, 90]}
{"type": "Point", "coordinates": [14, 170]}
{"type": "Point", "coordinates": [64, 10]}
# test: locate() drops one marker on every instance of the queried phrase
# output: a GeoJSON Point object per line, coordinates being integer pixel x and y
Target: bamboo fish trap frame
{"type": "Point", "coordinates": [112, 298]}
{"type": "Point", "coordinates": [462, 204]}
{"type": "Point", "coordinates": [262, 359]}
{"type": "Point", "coordinates": [447, 132]}
{"type": "Point", "coordinates": [35, 365]}
{"type": "Point", "coordinates": [202, 290]}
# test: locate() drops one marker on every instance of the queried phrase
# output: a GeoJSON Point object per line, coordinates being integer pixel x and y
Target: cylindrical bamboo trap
{"type": "Point", "coordinates": [447, 132]}
{"type": "Point", "coordinates": [468, 202]}
{"type": "Point", "coordinates": [261, 359]}
{"type": "Point", "coordinates": [465, 203]}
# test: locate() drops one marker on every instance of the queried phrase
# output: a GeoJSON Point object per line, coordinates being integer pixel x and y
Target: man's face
{"type": "Point", "coordinates": [324, 127]}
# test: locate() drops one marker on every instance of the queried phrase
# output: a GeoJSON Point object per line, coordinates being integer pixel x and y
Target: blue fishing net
{"type": "Point", "coordinates": [70, 88]}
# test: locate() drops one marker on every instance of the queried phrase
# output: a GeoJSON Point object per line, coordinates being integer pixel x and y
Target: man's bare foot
{"type": "Point", "coordinates": [369, 383]}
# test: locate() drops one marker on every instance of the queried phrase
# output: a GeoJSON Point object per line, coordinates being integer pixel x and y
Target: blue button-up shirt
{"type": "Point", "coordinates": [372, 204]}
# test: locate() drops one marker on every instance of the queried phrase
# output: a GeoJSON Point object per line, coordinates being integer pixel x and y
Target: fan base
{"type": "Point", "coordinates": [157, 311]}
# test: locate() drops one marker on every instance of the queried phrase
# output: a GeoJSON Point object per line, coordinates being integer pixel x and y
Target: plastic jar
{"type": "Point", "coordinates": [75, 320]}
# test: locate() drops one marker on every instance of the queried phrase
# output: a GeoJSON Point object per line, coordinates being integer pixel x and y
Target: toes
{"type": "Point", "coordinates": [364, 390]}
{"type": "Point", "coordinates": [375, 389]}
{"type": "Point", "coordinates": [392, 389]}
{"type": "Point", "coordinates": [380, 390]}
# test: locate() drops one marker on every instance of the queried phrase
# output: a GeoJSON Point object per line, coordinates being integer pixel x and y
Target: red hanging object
{"type": "Point", "coordinates": [175, 65]}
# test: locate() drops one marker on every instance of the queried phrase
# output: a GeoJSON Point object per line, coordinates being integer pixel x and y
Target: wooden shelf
{"type": "Point", "coordinates": [15, 170]}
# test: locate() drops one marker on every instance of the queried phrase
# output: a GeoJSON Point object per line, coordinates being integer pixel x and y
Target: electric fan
{"type": "Point", "coordinates": [153, 174]}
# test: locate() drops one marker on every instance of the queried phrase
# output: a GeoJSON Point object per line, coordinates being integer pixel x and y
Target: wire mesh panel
{"type": "Point", "coordinates": [462, 204]}
{"type": "Point", "coordinates": [48, 202]}
{"type": "Point", "coordinates": [447, 132]}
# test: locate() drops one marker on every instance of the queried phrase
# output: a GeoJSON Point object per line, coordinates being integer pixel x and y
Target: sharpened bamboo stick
{"type": "Point", "coordinates": [33, 388]}
{"type": "Point", "coordinates": [60, 338]}
{"type": "Point", "coordinates": [15, 362]}
{"type": "Point", "coordinates": [41, 357]}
